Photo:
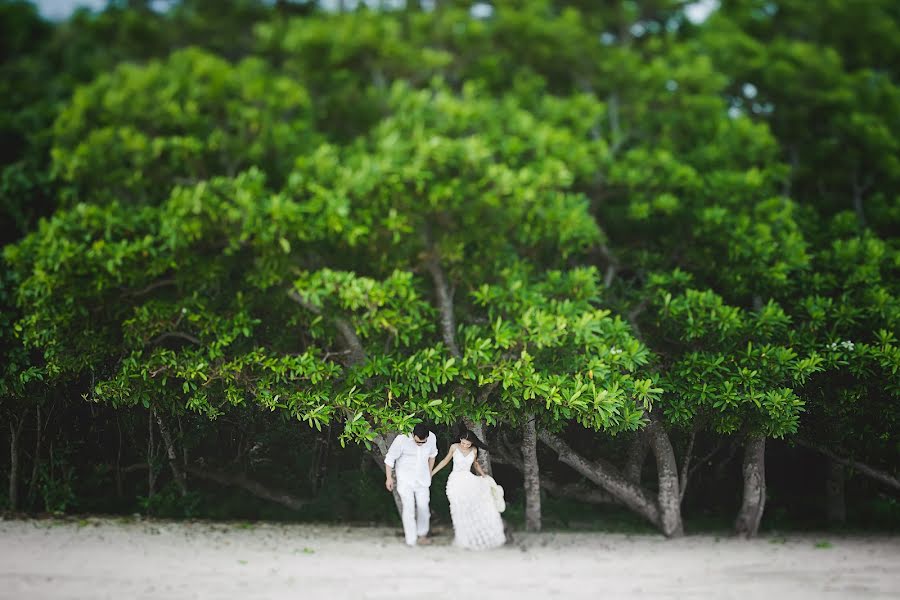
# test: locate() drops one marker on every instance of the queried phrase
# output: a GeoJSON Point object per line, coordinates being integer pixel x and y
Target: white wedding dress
{"type": "Point", "coordinates": [476, 520]}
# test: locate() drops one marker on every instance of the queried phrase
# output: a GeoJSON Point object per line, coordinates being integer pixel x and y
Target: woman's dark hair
{"type": "Point", "coordinates": [464, 433]}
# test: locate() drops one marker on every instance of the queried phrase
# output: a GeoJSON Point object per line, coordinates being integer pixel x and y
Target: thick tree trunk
{"type": "Point", "coordinates": [532, 477]}
{"type": "Point", "coordinates": [668, 496]}
{"type": "Point", "coordinates": [171, 454]}
{"type": "Point", "coordinates": [754, 502]}
{"type": "Point", "coordinates": [607, 477]}
{"type": "Point", "coordinates": [637, 455]}
{"type": "Point", "coordinates": [836, 506]}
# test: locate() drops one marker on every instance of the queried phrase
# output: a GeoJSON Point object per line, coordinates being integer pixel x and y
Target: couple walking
{"type": "Point", "coordinates": [475, 501]}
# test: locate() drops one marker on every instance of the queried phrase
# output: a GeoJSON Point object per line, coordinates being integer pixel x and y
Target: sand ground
{"type": "Point", "coordinates": [137, 559]}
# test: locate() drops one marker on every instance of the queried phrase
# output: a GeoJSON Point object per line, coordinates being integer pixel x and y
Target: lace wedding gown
{"type": "Point", "coordinates": [476, 521]}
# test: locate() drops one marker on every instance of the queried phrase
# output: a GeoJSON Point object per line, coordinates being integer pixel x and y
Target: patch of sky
{"type": "Point", "coordinates": [698, 12]}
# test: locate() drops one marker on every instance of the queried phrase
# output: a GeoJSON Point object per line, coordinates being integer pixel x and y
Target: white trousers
{"type": "Point", "coordinates": [414, 510]}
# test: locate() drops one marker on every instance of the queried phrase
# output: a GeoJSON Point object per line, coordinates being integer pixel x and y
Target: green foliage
{"type": "Point", "coordinates": [190, 117]}
{"type": "Point", "coordinates": [581, 212]}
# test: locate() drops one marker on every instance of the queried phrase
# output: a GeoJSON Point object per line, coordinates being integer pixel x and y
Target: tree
{"type": "Point", "coordinates": [188, 118]}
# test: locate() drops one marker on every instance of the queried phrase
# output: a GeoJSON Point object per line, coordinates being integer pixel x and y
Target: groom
{"type": "Point", "coordinates": [412, 457]}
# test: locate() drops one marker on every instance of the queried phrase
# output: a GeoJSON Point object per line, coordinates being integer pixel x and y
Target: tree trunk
{"type": "Point", "coordinates": [119, 489]}
{"type": "Point", "coordinates": [668, 496]}
{"type": "Point", "coordinates": [484, 457]}
{"type": "Point", "coordinates": [151, 452]}
{"type": "Point", "coordinates": [607, 477]}
{"type": "Point", "coordinates": [14, 434]}
{"type": "Point", "coordinates": [686, 463]}
{"type": "Point", "coordinates": [836, 506]}
{"type": "Point", "coordinates": [319, 465]}
{"type": "Point", "coordinates": [444, 301]}
{"type": "Point", "coordinates": [36, 461]}
{"type": "Point", "coordinates": [184, 449]}
{"type": "Point", "coordinates": [532, 477]}
{"type": "Point", "coordinates": [379, 451]}
{"type": "Point", "coordinates": [637, 454]}
{"type": "Point", "coordinates": [171, 454]}
{"type": "Point", "coordinates": [754, 502]}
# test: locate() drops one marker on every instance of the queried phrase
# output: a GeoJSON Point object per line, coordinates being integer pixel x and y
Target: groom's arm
{"type": "Point", "coordinates": [389, 478]}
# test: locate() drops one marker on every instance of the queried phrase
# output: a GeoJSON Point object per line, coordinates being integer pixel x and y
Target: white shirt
{"type": "Point", "coordinates": [410, 460]}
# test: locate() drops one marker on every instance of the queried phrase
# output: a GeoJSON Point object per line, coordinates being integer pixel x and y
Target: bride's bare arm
{"type": "Point", "coordinates": [444, 462]}
{"type": "Point", "coordinates": [475, 463]}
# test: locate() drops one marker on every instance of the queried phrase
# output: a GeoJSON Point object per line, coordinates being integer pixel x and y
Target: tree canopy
{"type": "Point", "coordinates": [601, 221]}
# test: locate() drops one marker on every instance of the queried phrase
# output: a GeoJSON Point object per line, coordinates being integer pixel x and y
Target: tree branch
{"type": "Point", "coordinates": [699, 463]}
{"type": "Point", "coordinates": [444, 300]}
{"type": "Point", "coordinates": [607, 477]}
{"type": "Point", "coordinates": [504, 455]}
{"type": "Point", "coordinates": [254, 487]}
{"type": "Point", "coordinates": [176, 334]}
{"type": "Point", "coordinates": [863, 468]}
{"type": "Point", "coordinates": [155, 285]}
{"type": "Point", "coordinates": [357, 356]}
{"type": "Point", "coordinates": [346, 331]}
{"type": "Point", "coordinates": [612, 265]}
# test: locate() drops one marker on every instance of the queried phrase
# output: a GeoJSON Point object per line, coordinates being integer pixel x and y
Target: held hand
{"type": "Point", "coordinates": [389, 484]}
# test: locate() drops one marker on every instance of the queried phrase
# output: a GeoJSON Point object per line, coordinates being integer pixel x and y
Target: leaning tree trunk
{"type": "Point", "coordinates": [532, 477]}
{"type": "Point", "coordinates": [607, 477]}
{"type": "Point", "coordinates": [836, 507]}
{"type": "Point", "coordinates": [754, 502]}
{"type": "Point", "coordinates": [668, 496]}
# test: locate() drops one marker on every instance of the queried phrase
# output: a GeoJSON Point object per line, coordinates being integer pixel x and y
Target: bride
{"type": "Point", "coordinates": [476, 518]}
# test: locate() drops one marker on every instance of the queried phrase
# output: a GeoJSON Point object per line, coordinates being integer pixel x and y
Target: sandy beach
{"type": "Point", "coordinates": [122, 559]}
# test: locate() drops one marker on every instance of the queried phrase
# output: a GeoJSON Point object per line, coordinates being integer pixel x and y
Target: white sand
{"type": "Point", "coordinates": [104, 558]}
